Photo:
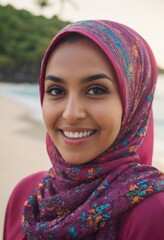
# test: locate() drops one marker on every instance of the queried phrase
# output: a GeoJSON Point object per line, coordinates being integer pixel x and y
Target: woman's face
{"type": "Point", "coordinates": [81, 107]}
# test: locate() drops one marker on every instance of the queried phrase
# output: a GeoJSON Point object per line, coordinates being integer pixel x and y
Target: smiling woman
{"type": "Point", "coordinates": [78, 104]}
{"type": "Point", "coordinates": [96, 86]}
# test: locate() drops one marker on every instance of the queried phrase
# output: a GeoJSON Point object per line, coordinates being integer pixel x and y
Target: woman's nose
{"type": "Point", "coordinates": [74, 110]}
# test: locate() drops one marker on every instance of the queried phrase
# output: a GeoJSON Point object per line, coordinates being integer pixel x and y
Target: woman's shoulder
{"type": "Point", "coordinates": [145, 221]}
{"type": "Point", "coordinates": [27, 184]}
{"type": "Point", "coordinates": [12, 224]}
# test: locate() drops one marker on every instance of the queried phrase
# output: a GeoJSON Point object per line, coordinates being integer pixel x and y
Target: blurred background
{"type": "Point", "coordinates": [26, 28]}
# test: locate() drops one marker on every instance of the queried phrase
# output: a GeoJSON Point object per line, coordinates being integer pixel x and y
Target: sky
{"type": "Point", "coordinates": [144, 16]}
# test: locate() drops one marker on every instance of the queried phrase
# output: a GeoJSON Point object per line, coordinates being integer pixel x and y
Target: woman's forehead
{"type": "Point", "coordinates": [82, 56]}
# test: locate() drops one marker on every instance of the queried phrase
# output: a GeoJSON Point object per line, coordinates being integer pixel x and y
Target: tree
{"type": "Point", "coordinates": [42, 3]}
{"type": "Point", "coordinates": [47, 3]}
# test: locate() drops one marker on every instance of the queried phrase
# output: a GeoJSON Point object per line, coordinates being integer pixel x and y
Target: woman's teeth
{"type": "Point", "coordinates": [77, 134]}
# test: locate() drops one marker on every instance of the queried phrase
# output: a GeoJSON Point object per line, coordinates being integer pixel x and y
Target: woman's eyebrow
{"type": "Point", "coordinates": [96, 77]}
{"type": "Point", "coordinates": [54, 79]}
{"type": "Point", "coordinates": [83, 80]}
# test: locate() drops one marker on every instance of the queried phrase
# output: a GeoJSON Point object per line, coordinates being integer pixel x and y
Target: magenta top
{"type": "Point", "coordinates": [144, 222]}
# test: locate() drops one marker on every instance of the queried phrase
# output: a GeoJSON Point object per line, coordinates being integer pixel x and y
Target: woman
{"type": "Point", "coordinates": [96, 85]}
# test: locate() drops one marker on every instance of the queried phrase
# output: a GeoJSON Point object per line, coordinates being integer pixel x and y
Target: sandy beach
{"type": "Point", "coordinates": [23, 148]}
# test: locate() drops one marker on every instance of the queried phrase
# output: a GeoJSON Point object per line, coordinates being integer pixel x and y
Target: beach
{"type": "Point", "coordinates": [23, 150]}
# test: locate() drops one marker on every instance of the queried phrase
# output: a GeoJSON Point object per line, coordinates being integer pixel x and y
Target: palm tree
{"type": "Point", "coordinates": [47, 3]}
{"type": "Point", "coordinates": [42, 3]}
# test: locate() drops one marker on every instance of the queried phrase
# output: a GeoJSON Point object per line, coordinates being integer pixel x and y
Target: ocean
{"type": "Point", "coordinates": [29, 95]}
{"type": "Point", "coordinates": [158, 108]}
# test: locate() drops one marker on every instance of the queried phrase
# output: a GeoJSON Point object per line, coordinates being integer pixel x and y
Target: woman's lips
{"type": "Point", "coordinates": [77, 135]}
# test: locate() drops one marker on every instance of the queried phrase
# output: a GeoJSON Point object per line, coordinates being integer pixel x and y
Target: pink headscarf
{"type": "Point", "coordinates": [86, 201]}
{"type": "Point", "coordinates": [145, 148]}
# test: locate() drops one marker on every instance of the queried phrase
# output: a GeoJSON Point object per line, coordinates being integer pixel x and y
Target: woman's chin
{"type": "Point", "coordinates": [76, 160]}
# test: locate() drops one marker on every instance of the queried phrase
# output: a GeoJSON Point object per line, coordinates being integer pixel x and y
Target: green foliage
{"type": "Point", "coordinates": [24, 37]}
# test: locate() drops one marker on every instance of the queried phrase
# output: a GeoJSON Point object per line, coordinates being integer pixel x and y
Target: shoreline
{"type": "Point", "coordinates": [23, 150]}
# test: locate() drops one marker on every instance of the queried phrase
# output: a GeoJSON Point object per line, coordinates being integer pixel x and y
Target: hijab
{"type": "Point", "coordinates": [86, 201]}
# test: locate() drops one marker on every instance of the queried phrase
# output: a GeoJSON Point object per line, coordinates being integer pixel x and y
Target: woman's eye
{"type": "Point", "coordinates": [55, 91]}
{"type": "Point", "coordinates": [97, 90]}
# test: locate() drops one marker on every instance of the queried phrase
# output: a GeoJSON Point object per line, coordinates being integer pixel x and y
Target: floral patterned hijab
{"type": "Point", "coordinates": [86, 201]}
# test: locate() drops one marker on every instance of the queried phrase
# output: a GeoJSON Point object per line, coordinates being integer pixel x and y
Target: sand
{"type": "Point", "coordinates": [22, 151]}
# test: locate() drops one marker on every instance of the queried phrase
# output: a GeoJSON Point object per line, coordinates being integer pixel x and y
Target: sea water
{"type": "Point", "coordinates": [29, 95]}
{"type": "Point", "coordinates": [158, 109]}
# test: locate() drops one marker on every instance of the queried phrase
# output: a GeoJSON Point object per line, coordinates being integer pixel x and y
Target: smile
{"type": "Point", "coordinates": [75, 135]}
